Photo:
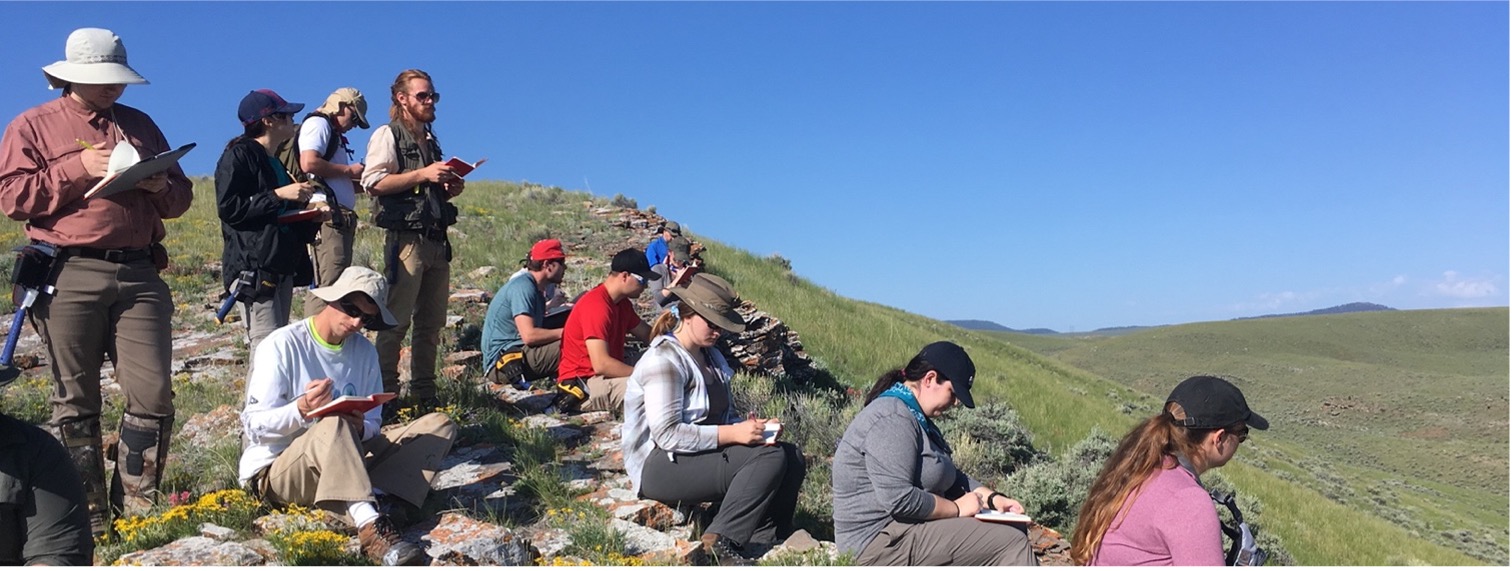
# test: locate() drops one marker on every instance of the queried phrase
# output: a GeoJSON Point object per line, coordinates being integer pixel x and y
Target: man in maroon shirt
{"type": "Point", "coordinates": [110, 300]}
{"type": "Point", "coordinates": [593, 371]}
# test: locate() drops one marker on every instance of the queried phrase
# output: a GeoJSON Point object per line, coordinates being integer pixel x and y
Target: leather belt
{"type": "Point", "coordinates": [114, 256]}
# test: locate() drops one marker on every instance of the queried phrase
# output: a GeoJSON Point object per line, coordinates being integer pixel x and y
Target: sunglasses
{"type": "Point", "coordinates": [352, 310]}
{"type": "Point", "coordinates": [428, 96]}
{"type": "Point", "coordinates": [640, 279]}
{"type": "Point", "coordinates": [1243, 434]}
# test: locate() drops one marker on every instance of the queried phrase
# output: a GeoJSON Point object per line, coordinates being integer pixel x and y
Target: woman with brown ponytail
{"type": "Point", "coordinates": [1148, 506]}
{"type": "Point", "coordinates": [684, 440]}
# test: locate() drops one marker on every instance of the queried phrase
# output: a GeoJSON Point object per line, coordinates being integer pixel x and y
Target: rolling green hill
{"type": "Point", "coordinates": [856, 341]}
{"type": "Point", "coordinates": [1403, 413]}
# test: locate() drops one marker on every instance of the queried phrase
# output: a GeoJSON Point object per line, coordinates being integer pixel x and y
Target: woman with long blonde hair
{"type": "Point", "coordinates": [1147, 506]}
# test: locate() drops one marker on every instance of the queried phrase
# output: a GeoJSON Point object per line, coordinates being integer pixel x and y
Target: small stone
{"type": "Point", "coordinates": [197, 552]}
{"type": "Point", "coordinates": [453, 320]}
{"type": "Point", "coordinates": [482, 272]}
{"type": "Point", "coordinates": [216, 532]}
{"type": "Point", "coordinates": [469, 296]}
{"type": "Point", "coordinates": [465, 358]}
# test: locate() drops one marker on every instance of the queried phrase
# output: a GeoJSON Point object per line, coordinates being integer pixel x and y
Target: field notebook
{"type": "Point", "coordinates": [1003, 517]}
{"type": "Point", "coordinates": [353, 404]}
{"type": "Point", "coordinates": [463, 168]}
{"type": "Point", "coordinates": [127, 178]}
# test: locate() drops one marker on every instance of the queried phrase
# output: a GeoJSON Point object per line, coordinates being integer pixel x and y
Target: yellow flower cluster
{"type": "Point", "coordinates": [560, 561]}
{"type": "Point", "coordinates": [310, 547]}
{"type": "Point", "coordinates": [130, 529]}
{"type": "Point", "coordinates": [410, 413]}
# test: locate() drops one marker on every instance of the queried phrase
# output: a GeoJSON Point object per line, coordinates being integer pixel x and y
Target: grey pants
{"type": "Point", "coordinates": [266, 316]}
{"type": "Point", "coordinates": [952, 541]}
{"type": "Point", "coordinates": [757, 487]}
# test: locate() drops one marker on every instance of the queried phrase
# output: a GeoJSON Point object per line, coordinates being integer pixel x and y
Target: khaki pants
{"type": "Point", "coordinates": [419, 282]}
{"type": "Point", "coordinates": [953, 541]}
{"type": "Point", "coordinates": [605, 394]}
{"type": "Point", "coordinates": [333, 253]}
{"type": "Point", "coordinates": [330, 466]}
{"type": "Point", "coordinates": [100, 308]}
{"type": "Point", "coordinates": [540, 362]}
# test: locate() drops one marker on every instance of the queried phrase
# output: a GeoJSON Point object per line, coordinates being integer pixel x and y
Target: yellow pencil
{"type": "Point", "coordinates": [84, 144]}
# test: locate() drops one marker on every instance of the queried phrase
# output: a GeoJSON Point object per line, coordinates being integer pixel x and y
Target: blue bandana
{"type": "Point", "coordinates": [901, 392]}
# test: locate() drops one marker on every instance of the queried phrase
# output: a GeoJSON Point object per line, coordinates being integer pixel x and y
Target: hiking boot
{"type": "Point", "coordinates": [722, 550]}
{"type": "Point", "coordinates": [570, 397]}
{"type": "Point", "coordinates": [398, 511]}
{"type": "Point", "coordinates": [382, 545]}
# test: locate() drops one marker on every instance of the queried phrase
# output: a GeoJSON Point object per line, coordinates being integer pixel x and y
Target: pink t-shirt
{"type": "Point", "coordinates": [1171, 520]}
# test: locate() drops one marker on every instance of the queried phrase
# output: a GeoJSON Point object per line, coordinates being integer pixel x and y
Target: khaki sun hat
{"type": "Point", "coordinates": [346, 96]}
{"type": "Point", "coordinates": [360, 279]}
{"type": "Point", "coordinates": [93, 56]}
{"type": "Point", "coordinates": [712, 298]}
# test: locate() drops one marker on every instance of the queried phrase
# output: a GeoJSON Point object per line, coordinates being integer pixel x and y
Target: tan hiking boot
{"type": "Point", "coordinates": [381, 543]}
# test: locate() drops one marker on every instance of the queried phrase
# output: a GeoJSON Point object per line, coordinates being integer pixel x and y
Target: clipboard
{"type": "Point", "coordinates": [127, 179]}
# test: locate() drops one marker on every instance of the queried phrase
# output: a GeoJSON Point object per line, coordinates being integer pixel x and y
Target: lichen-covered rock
{"type": "Point", "coordinates": [195, 552]}
{"type": "Point", "coordinates": [460, 540]}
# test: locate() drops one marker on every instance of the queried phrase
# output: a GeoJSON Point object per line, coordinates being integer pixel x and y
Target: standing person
{"type": "Point", "coordinates": [684, 441]}
{"type": "Point", "coordinates": [251, 190]}
{"type": "Point", "coordinates": [1148, 506]}
{"type": "Point", "coordinates": [110, 299]}
{"type": "Point", "coordinates": [899, 499]}
{"type": "Point", "coordinates": [516, 343]}
{"type": "Point", "coordinates": [346, 463]}
{"type": "Point", "coordinates": [325, 153]}
{"type": "Point", "coordinates": [414, 189]}
{"type": "Point", "coordinates": [593, 371]}
{"type": "Point", "coordinates": [44, 519]}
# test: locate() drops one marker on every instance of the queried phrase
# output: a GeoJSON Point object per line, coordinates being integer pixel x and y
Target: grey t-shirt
{"type": "Point", "coordinates": [885, 469]}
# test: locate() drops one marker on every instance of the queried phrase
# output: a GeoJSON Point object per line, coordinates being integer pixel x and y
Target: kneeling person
{"type": "Point", "coordinates": [339, 462]}
{"type": "Point", "coordinates": [516, 343]}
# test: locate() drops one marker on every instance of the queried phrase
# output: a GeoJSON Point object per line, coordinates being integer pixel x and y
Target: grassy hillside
{"type": "Point", "coordinates": [856, 341]}
{"type": "Point", "coordinates": [1403, 413]}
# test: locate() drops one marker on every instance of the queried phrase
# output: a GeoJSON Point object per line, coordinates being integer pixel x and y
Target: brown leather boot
{"type": "Point", "coordinates": [381, 543]}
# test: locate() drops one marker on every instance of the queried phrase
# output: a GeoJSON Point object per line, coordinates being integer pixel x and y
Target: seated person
{"type": "Point", "coordinates": [517, 346]}
{"type": "Point", "coordinates": [684, 441]}
{"type": "Point", "coordinates": [338, 462]}
{"type": "Point", "coordinates": [899, 499]}
{"type": "Point", "coordinates": [1147, 506]}
{"type": "Point", "coordinates": [593, 371]}
{"type": "Point", "coordinates": [43, 517]}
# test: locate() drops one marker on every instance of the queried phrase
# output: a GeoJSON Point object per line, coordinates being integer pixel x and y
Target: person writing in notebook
{"type": "Point", "coordinates": [293, 456]}
{"type": "Point", "coordinates": [110, 300]}
{"type": "Point", "coordinates": [252, 192]}
{"type": "Point", "coordinates": [325, 153]}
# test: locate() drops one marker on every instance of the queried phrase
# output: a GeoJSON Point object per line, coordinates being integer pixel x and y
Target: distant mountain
{"type": "Point", "coordinates": [981, 325]}
{"type": "Point", "coordinates": [1355, 307]}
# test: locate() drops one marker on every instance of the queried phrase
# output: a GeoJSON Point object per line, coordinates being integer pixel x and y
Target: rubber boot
{"type": "Point", "coordinates": [141, 457]}
{"type": "Point", "coordinates": [81, 438]}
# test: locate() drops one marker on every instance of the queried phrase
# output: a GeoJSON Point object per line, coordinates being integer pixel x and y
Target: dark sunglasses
{"type": "Point", "coordinates": [428, 96]}
{"type": "Point", "coordinates": [1243, 434]}
{"type": "Point", "coordinates": [352, 310]}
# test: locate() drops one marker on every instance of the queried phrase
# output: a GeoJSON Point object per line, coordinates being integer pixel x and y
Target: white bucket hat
{"type": "Point", "coordinates": [363, 280]}
{"type": "Point", "coordinates": [93, 56]}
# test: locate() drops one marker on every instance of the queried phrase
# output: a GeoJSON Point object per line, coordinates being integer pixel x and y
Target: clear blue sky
{"type": "Point", "coordinates": [1062, 165]}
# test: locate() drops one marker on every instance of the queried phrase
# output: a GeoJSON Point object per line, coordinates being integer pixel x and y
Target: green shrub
{"type": "Point", "coordinates": [989, 441]}
{"type": "Point", "coordinates": [1053, 492]}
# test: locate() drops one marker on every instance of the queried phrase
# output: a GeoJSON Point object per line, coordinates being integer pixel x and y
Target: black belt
{"type": "Point", "coordinates": [115, 256]}
{"type": "Point", "coordinates": [429, 234]}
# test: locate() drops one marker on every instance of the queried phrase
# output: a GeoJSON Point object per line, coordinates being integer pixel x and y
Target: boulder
{"type": "Point", "coordinates": [460, 540]}
{"type": "Point", "coordinates": [196, 552]}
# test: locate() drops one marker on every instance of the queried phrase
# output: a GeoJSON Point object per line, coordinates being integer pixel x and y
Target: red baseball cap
{"type": "Point", "coordinates": [548, 249]}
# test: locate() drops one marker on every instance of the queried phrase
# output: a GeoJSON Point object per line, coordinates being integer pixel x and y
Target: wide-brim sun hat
{"type": "Point", "coordinates": [92, 56]}
{"type": "Point", "coordinates": [367, 281]}
{"type": "Point", "coordinates": [713, 299]}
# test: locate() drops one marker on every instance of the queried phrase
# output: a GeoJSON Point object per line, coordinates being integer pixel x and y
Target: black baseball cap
{"type": "Point", "coordinates": [633, 261]}
{"type": "Point", "coordinates": [951, 361]}
{"type": "Point", "coordinates": [1211, 402]}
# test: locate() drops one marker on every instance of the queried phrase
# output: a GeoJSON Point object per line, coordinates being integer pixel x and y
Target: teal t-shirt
{"type": "Point", "coordinates": [518, 296]}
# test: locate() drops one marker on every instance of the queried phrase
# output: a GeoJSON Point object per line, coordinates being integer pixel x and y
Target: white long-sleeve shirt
{"type": "Point", "coordinates": [287, 360]}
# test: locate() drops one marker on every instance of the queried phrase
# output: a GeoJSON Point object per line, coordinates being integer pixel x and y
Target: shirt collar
{"type": "Point", "coordinates": [79, 108]}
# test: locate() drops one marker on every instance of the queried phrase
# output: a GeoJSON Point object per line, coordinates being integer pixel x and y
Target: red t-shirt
{"type": "Point", "coordinates": [594, 316]}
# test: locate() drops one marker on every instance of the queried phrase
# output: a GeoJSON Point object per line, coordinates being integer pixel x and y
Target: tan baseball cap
{"type": "Point", "coordinates": [348, 96]}
{"type": "Point", "coordinates": [360, 279]}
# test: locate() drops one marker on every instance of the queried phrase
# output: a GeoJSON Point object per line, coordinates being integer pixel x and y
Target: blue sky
{"type": "Point", "coordinates": [1061, 165]}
